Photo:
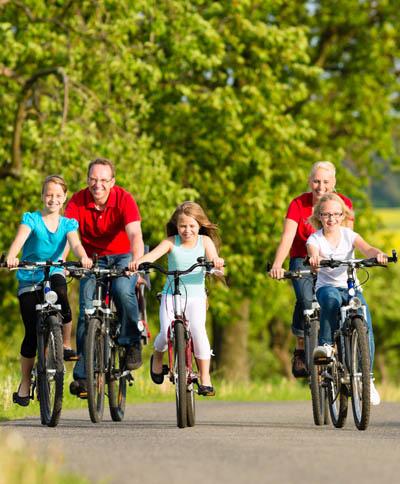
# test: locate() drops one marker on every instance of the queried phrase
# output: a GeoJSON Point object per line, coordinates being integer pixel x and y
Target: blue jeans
{"type": "Point", "coordinates": [331, 299]}
{"type": "Point", "coordinates": [124, 296]}
{"type": "Point", "coordinates": [303, 289]}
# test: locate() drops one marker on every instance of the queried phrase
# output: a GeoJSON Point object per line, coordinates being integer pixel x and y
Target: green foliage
{"type": "Point", "coordinates": [227, 103]}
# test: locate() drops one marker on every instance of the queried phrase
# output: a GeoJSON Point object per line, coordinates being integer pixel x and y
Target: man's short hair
{"type": "Point", "coordinates": [102, 161]}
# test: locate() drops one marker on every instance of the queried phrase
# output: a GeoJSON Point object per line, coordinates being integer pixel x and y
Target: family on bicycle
{"type": "Point", "coordinates": [318, 223]}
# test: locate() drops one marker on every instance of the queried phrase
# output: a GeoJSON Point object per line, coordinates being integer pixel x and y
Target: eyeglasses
{"type": "Point", "coordinates": [331, 215]}
{"type": "Point", "coordinates": [103, 181]}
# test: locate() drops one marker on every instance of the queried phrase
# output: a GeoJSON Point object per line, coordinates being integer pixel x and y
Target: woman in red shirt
{"type": "Point", "coordinates": [296, 231]}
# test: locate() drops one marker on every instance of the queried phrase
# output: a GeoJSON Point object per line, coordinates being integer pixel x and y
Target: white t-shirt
{"type": "Point", "coordinates": [336, 277]}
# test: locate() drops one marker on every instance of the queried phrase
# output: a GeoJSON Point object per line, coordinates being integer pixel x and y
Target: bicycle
{"type": "Point", "coordinates": [180, 346]}
{"type": "Point", "coordinates": [348, 373]}
{"type": "Point", "coordinates": [319, 395]}
{"type": "Point", "coordinates": [48, 372]}
{"type": "Point", "coordinates": [105, 359]}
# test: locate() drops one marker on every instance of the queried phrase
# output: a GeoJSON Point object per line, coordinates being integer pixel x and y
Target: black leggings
{"type": "Point", "coordinates": [27, 303]}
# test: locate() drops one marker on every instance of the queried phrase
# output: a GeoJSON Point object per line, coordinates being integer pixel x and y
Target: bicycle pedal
{"type": "Point", "coordinates": [83, 395]}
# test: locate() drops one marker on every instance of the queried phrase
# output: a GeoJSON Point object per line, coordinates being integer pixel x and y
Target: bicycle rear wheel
{"type": "Point", "coordinates": [180, 374]}
{"type": "Point", "coordinates": [337, 395]}
{"type": "Point", "coordinates": [50, 370]}
{"type": "Point", "coordinates": [360, 374]}
{"type": "Point", "coordinates": [316, 381]}
{"type": "Point", "coordinates": [117, 384]}
{"type": "Point", "coordinates": [95, 368]}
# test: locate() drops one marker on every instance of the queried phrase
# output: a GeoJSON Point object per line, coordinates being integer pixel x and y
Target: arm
{"type": "Point", "coordinates": [313, 253]}
{"type": "Point", "coordinates": [288, 235]}
{"type": "Point", "coordinates": [162, 248]}
{"type": "Point", "coordinates": [212, 254]}
{"type": "Point", "coordinates": [77, 249]}
{"type": "Point", "coordinates": [17, 244]}
{"type": "Point", "coordinates": [134, 233]}
{"type": "Point", "coordinates": [369, 251]}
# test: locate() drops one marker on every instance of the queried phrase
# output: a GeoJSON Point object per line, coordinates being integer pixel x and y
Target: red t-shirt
{"type": "Point", "coordinates": [103, 231]}
{"type": "Point", "coordinates": [300, 209]}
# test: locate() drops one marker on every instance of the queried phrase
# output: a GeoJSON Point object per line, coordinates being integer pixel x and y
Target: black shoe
{"type": "Point", "coordinates": [22, 401]}
{"type": "Point", "coordinates": [157, 378]}
{"type": "Point", "coordinates": [299, 369]}
{"type": "Point", "coordinates": [78, 388]}
{"type": "Point", "coordinates": [70, 355]}
{"type": "Point", "coordinates": [134, 356]}
{"type": "Point", "coordinates": [206, 391]}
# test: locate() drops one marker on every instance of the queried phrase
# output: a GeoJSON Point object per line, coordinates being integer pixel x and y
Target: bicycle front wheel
{"type": "Point", "coordinates": [316, 380]}
{"type": "Point", "coordinates": [95, 368]}
{"type": "Point", "coordinates": [117, 384]}
{"type": "Point", "coordinates": [50, 370]}
{"type": "Point", "coordinates": [180, 374]}
{"type": "Point", "coordinates": [360, 374]}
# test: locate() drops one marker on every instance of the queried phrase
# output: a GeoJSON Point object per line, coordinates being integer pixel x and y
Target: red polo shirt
{"type": "Point", "coordinates": [300, 209]}
{"type": "Point", "coordinates": [103, 231]}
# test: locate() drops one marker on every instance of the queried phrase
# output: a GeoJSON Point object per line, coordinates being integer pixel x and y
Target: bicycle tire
{"type": "Point", "coordinates": [316, 379]}
{"type": "Point", "coordinates": [360, 374]}
{"type": "Point", "coordinates": [190, 394]}
{"type": "Point", "coordinates": [337, 394]}
{"type": "Point", "coordinates": [117, 384]}
{"type": "Point", "coordinates": [95, 368]}
{"type": "Point", "coordinates": [180, 374]}
{"type": "Point", "coordinates": [50, 370]}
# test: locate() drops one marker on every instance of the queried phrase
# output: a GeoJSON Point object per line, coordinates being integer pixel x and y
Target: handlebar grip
{"type": "Point", "coordinates": [72, 264]}
{"type": "Point", "coordinates": [268, 266]}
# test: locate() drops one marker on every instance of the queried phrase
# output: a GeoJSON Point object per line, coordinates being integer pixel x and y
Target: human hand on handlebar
{"type": "Point", "coordinates": [12, 262]}
{"type": "Point", "coordinates": [277, 272]}
{"type": "Point", "coordinates": [86, 262]}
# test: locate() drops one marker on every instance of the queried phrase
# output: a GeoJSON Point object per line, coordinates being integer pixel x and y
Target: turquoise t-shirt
{"type": "Point", "coordinates": [42, 245]}
{"type": "Point", "coordinates": [180, 259]}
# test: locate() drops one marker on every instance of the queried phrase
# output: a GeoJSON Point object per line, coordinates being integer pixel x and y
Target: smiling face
{"type": "Point", "coordinates": [100, 182]}
{"type": "Point", "coordinates": [331, 215]}
{"type": "Point", "coordinates": [321, 182]}
{"type": "Point", "coordinates": [53, 197]}
{"type": "Point", "coordinates": [188, 228]}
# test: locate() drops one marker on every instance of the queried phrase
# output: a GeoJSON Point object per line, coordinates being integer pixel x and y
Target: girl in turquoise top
{"type": "Point", "coordinates": [190, 235]}
{"type": "Point", "coordinates": [42, 236]}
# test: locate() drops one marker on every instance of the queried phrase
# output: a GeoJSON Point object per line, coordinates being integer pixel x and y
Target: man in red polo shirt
{"type": "Point", "coordinates": [109, 226]}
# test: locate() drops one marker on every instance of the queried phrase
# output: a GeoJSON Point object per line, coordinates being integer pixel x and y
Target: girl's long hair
{"type": "Point", "coordinates": [194, 210]}
{"type": "Point", "coordinates": [348, 214]}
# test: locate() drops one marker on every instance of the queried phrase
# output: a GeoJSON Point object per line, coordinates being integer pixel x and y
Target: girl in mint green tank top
{"type": "Point", "coordinates": [190, 235]}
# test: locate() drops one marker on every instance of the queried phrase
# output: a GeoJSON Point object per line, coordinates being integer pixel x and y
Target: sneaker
{"type": "Point", "coordinates": [134, 356]}
{"type": "Point", "coordinates": [299, 369]}
{"type": "Point", "coordinates": [206, 391]}
{"type": "Point", "coordinates": [374, 397]}
{"type": "Point", "coordinates": [323, 354]}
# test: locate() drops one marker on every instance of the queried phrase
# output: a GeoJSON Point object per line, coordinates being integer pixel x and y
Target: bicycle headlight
{"type": "Point", "coordinates": [51, 297]}
{"type": "Point", "coordinates": [355, 303]}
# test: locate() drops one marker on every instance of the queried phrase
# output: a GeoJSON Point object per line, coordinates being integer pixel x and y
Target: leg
{"type": "Point", "coordinates": [330, 300]}
{"type": "Point", "coordinates": [161, 340]}
{"type": "Point", "coordinates": [86, 294]}
{"type": "Point", "coordinates": [26, 370]}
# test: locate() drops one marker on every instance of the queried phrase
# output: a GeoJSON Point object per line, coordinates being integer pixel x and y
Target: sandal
{"type": "Point", "coordinates": [206, 391]}
{"type": "Point", "coordinates": [70, 355]}
{"type": "Point", "coordinates": [157, 378]}
{"type": "Point", "coordinates": [22, 401]}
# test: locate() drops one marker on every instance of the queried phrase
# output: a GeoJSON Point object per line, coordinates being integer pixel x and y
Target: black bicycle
{"type": "Point", "coordinates": [48, 372]}
{"type": "Point", "coordinates": [319, 395]}
{"type": "Point", "coordinates": [348, 372]}
{"type": "Point", "coordinates": [105, 359]}
{"type": "Point", "coordinates": [180, 346]}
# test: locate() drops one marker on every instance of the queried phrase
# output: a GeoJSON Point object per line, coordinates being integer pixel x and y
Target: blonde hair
{"type": "Point", "coordinates": [323, 165]}
{"type": "Point", "coordinates": [194, 210]}
{"type": "Point", "coordinates": [348, 215]}
{"type": "Point", "coordinates": [57, 179]}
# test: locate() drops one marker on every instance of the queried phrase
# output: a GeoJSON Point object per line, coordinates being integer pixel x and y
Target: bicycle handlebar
{"type": "Point", "coordinates": [357, 263]}
{"type": "Point", "coordinates": [297, 274]}
{"type": "Point", "coordinates": [201, 262]}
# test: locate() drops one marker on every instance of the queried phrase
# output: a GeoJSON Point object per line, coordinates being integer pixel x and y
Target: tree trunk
{"type": "Point", "coordinates": [231, 345]}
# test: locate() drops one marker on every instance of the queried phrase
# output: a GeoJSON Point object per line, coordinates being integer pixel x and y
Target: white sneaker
{"type": "Point", "coordinates": [374, 396]}
{"type": "Point", "coordinates": [323, 354]}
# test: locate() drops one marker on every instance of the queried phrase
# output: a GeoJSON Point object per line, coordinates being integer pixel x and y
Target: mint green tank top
{"type": "Point", "coordinates": [180, 259]}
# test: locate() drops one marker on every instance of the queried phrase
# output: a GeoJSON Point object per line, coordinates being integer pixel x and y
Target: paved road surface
{"type": "Point", "coordinates": [231, 443]}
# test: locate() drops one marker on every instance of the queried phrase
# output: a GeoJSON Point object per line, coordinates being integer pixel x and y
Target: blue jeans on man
{"type": "Point", "coordinates": [124, 297]}
{"type": "Point", "coordinates": [304, 290]}
{"type": "Point", "coordinates": [330, 300]}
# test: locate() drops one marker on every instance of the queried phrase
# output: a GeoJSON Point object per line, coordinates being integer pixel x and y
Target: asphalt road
{"type": "Point", "coordinates": [231, 443]}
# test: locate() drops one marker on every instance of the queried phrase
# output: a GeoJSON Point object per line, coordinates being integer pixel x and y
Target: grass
{"type": "Point", "coordinates": [388, 237]}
